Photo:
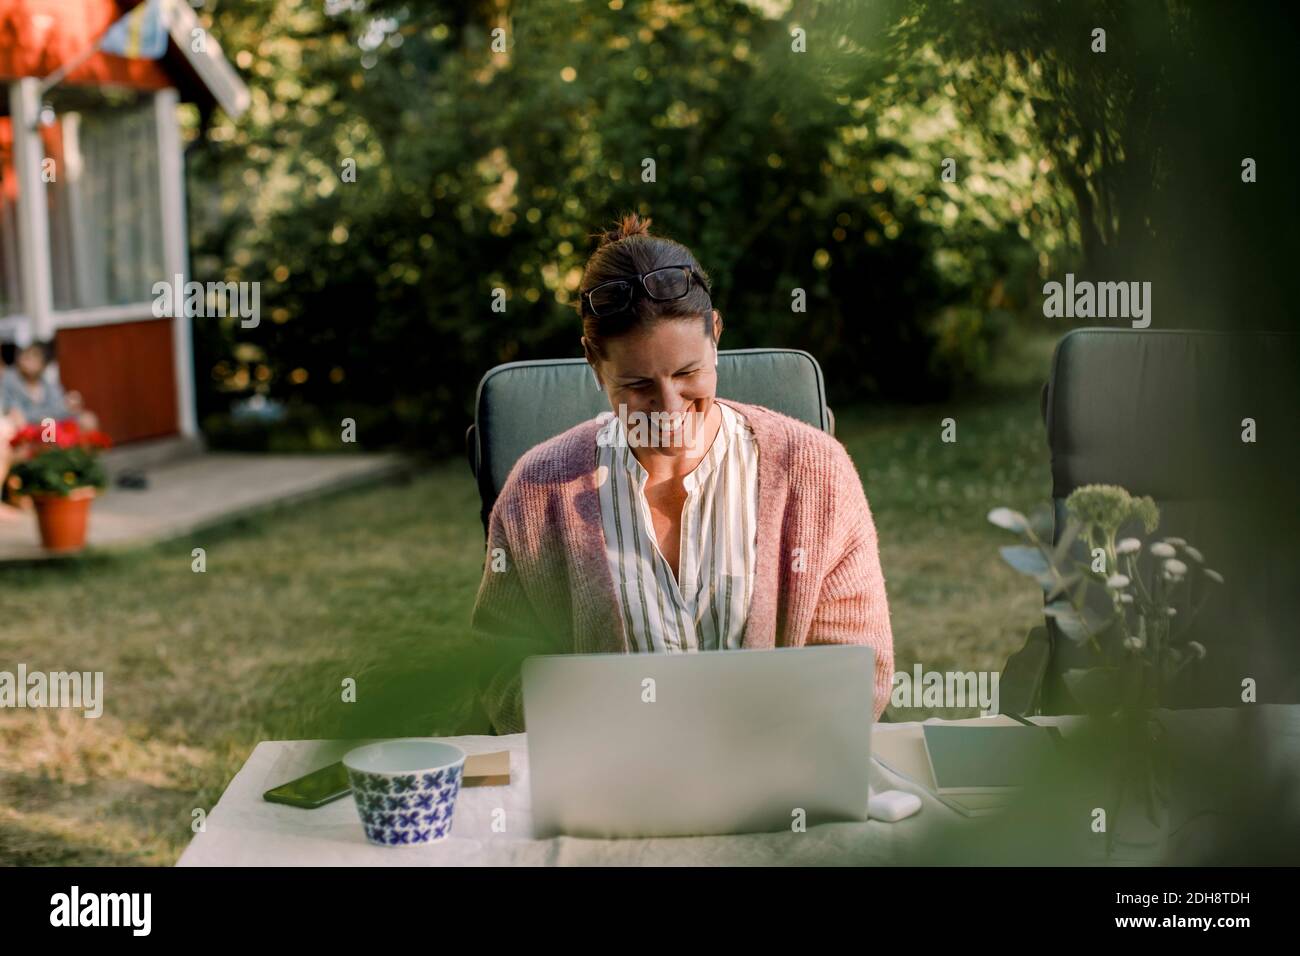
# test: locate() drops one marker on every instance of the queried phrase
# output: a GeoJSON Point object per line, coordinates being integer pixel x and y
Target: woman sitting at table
{"type": "Point", "coordinates": [678, 522]}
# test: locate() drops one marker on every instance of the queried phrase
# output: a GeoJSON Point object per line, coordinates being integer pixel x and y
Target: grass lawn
{"type": "Point", "coordinates": [377, 585]}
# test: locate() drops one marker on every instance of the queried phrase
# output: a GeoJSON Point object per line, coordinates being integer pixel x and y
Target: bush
{"type": "Point", "coordinates": [383, 225]}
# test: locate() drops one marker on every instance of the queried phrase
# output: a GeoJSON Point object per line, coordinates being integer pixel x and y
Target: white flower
{"type": "Point", "coordinates": [1133, 643]}
{"type": "Point", "coordinates": [1117, 581]}
{"type": "Point", "coordinates": [1177, 541]}
{"type": "Point", "coordinates": [1214, 576]}
{"type": "Point", "coordinates": [1197, 648]}
{"type": "Point", "coordinates": [1126, 598]}
{"type": "Point", "coordinates": [1161, 550]}
{"type": "Point", "coordinates": [1128, 546]}
{"type": "Point", "coordinates": [1175, 568]}
{"type": "Point", "coordinates": [1011, 520]}
{"type": "Point", "coordinates": [1194, 554]}
{"type": "Point", "coordinates": [1171, 611]}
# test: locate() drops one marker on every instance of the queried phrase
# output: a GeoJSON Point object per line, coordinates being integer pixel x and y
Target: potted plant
{"type": "Point", "coordinates": [57, 465]}
{"type": "Point", "coordinates": [1120, 598]}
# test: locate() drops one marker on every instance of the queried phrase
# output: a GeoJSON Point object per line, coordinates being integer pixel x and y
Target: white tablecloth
{"type": "Point", "coordinates": [245, 830]}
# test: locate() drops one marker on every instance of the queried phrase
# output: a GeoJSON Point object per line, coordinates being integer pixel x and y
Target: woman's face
{"type": "Point", "coordinates": [664, 376]}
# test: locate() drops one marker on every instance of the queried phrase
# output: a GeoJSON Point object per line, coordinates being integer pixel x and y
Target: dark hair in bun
{"type": "Point", "coordinates": [630, 225]}
{"type": "Point", "coordinates": [628, 249]}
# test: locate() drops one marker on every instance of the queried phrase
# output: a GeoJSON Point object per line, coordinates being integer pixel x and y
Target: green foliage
{"type": "Point", "coordinates": [918, 173]}
{"type": "Point", "coordinates": [477, 171]}
{"type": "Point", "coordinates": [58, 471]}
{"type": "Point", "coordinates": [1145, 141]}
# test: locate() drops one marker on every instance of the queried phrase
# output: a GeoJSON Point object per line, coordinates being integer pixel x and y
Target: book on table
{"type": "Point", "coordinates": [967, 761]}
{"type": "Point", "coordinates": [979, 767]}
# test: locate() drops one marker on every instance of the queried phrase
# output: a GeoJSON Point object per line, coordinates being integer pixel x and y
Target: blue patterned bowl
{"type": "Point", "coordinates": [405, 789]}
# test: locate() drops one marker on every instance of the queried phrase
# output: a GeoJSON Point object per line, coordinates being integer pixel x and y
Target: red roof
{"type": "Point", "coordinates": [39, 36]}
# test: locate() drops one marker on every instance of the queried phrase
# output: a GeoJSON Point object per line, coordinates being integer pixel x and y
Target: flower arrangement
{"type": "Point", "coordinates": [1122, 601]}
{"type": "Point", "coordinates": [1140, 642]}
{"type": "Point", "coordinates": [56, 458]}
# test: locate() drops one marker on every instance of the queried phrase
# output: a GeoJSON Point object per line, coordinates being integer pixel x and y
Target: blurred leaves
{"type": "Point", "coordinates": [1026, 560]}
{"type": "Point", "coordinates": [1078, 625]}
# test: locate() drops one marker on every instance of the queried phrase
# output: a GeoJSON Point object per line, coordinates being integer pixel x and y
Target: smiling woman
{"type": "Point", "coordinates": [676, 522]}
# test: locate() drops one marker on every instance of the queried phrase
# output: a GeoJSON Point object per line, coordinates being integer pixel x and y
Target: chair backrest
{"type": "Point", "coordinates": [1163, 413]}
{"type": "Point", "coordinates": [521, 404]}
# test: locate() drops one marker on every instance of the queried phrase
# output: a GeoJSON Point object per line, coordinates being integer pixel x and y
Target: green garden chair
{"type": "Point", "coordinates": [520, 404]}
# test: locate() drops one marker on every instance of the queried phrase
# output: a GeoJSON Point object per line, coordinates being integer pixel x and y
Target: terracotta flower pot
{"type": "Point", "coordinates": [62, 518]}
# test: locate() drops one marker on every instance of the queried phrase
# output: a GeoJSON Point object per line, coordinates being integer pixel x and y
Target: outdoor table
{"type": "Point", "coordinates": [245, 830]}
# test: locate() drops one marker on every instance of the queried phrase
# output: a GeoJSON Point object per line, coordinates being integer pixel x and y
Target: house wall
{"type": "Point", "coordinates": [134, 371]}
{"type": "Point", "coordinates": [107, 349]}
{"type": "Point", "coordinates": [125, 375]}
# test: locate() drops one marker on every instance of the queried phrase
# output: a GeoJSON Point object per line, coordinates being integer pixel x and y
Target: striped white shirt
{"type": "Point", "coordinates": [708, 609]}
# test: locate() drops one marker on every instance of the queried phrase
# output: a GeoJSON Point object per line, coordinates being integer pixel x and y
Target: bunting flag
{"type": "Point", "coordinates": [140, 34]}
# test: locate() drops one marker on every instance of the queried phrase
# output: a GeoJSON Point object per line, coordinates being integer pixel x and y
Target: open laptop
{"type": "Point", "coordinates": [735, 741]}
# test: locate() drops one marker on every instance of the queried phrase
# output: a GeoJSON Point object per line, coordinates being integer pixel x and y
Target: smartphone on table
{"type": "Point", "coordinates": [330, 783]}
{"type": "Point", "coordinates": [315, 789]}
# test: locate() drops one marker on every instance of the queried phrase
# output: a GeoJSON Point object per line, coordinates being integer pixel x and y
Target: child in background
{"type": "Point", "coordinates": [10, 421]}
{"type": "Point", "coordinates": [26, 390]}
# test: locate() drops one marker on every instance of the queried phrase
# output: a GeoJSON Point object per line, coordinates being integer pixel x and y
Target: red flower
{"type": "Point", "coordinates": [26, 435]}
{"type": "Point", "coordinates": [67, 434]}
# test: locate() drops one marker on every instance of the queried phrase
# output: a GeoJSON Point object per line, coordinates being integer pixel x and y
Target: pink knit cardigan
{"type": "Point", "coordinates": [546, 585]}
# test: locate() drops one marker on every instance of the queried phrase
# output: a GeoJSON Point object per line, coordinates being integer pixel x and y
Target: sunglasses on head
{"type": "Point", "coordinates": [661, 285]}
